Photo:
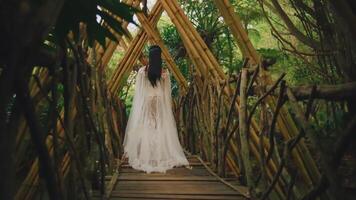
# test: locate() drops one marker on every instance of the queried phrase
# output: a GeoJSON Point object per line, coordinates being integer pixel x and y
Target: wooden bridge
{"type": "Point", "coordinates": [259, 141]}
{"type": "Point", "coordinates": [195, 182]}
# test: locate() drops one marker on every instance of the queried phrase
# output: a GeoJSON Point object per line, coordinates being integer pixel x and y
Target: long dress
{"type": "Point", "coordinates": [151, 139]}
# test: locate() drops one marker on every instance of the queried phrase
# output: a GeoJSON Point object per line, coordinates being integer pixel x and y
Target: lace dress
{"type": "Point", "coordinates": [151, 140]}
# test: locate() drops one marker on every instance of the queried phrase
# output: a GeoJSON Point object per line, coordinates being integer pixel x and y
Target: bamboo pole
{"type": "Point", "coordinates": [192, 52]}
{"type": "Point", "coordinates": [235, 25]}
{"type": "Point", "coordinates": [125, 62]}
{"type": "Point", "coordinates": [135, 48]}
{"type": "Point", "coordinates": [157, 39]}
{"type": "Point", "coordinates": [278, 187]}
{"type": "Point", "coordinates": [200, 40]}
{"type": "Point", "coordinates": [244, 130]}
{"type": "Point", "coordinates": [103, 56]}
{"type": "Point", "coordinates": [177, 22]}
{"type": "Point", "coordinates": [307, 163]}
{"type": "Point", "coordinates": [188, 32]}
{"type": "Point", "coordinates": [284, 120]}
{"type": "Point", "coordinates": [33, 173]}
{"type": "Point", "coordinates": [234, 151]}
{"type": "Point", "coordinates": [127, 59]}
{"type": "Point", "coordinates": [35, 92]}
{"type": "Point", "coordinates": [32, 179]}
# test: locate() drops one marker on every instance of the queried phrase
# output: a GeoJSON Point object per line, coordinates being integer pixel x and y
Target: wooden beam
{"type": "Point", "coordinates": [157, 39]}
{"type": "Point", "coordinates": [233, 21]}
{"type": "Point", "coordinates": [133, 51]}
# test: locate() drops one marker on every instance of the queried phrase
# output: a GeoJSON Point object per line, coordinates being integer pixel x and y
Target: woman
{"type": "Point", "coordinates": [151, 140]}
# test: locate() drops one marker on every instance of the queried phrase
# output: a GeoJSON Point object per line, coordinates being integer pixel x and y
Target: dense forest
{"type": "Point", "coordinates": [263, 90]}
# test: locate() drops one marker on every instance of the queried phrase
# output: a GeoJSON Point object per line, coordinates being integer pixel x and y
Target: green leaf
{"type": "Point", "coordinates": [86, 11]}
{"type": "Point", "coordinates": [122, 10]}
{"type": "Point", "coordinates": [96, 32]}
{"type": "Point", "coordinates": [113, 23]}
{"type": "Point", "coordinates": [67, 20]}
{"type": "Point", "coordinates": [109, 35]}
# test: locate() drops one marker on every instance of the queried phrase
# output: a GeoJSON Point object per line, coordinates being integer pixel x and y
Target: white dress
{"type": "Point", "coordinates": [151, 139]}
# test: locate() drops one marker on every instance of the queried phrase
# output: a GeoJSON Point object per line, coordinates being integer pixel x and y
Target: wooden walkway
{"type": "Point", "coordinates": [199, 182]}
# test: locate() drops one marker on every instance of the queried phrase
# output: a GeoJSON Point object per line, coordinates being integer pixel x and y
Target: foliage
{"type": "Point", "coordinates": [316, 50]}
{"type": "Point", "coordinates": [171, 38]}
{"type": "Point", "coordinates": [113, 63]}
{"type": "Point", "coordinates": [249, 11]}
{"type": "Point", "coordinates": [88, 12]}
{"type": "Point", "coordinates": [72, 95]}
{"type": "Point", "coordinates": [296, 71]}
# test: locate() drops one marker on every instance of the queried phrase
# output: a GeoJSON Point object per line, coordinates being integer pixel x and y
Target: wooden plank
{"type": "Point", "coordinates": [168, 178]}
{"type": "Point", "coordinates": [172, 185]}
{"type": "Point", "coordinates": [182, 191]}
{"type": "Point", "coordinates": [176, 196]}
{"type": "Point", "coordinates": [175, 171]}
{"type": "Point", "coordinates": [112, 184]}
{"type": "Point", "coordinates": [190, 163]}
{"type": "Point", "coordinates": [177, 183]}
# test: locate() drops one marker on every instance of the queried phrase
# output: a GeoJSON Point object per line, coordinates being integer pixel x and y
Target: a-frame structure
{"type": "Point", "coordinates": [210, 77]}
{"type": "Point", "coordinates": [210, 71]}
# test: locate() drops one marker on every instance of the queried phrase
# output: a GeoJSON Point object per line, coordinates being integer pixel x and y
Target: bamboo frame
{"type": "Point", "coordinates": [235, 25]}
{"type": "Point", "coordinates": [133, 52]}
{"type": "Point", "coordinates": [210, 76]}
{"type": "Point", "coordinates": [157, 39]}
{"type": "Point", "coordinates": [287, 126]}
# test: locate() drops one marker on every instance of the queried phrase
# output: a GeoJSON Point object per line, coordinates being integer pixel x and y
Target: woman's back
{"type": "Point", "coordinates": [158, 90]}
{"type": "Point", "coordinates": [151, 140]}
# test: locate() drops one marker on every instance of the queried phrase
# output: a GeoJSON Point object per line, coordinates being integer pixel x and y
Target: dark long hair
{"type": "Point", "coordinates": [155, 65]}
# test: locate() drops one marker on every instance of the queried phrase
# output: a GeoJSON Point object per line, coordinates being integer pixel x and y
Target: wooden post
{"type": "Point", "coordinates": [245, 152]}
{"type": "Point", "coordinates": [169, 59]}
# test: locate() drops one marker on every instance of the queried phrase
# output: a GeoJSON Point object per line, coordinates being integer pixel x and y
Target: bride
{"type": "Point", "coordinates": [151, 140]}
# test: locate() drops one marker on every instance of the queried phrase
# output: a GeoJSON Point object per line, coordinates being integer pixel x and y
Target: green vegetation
{"type": "Point", "coordinates": [62, 124]}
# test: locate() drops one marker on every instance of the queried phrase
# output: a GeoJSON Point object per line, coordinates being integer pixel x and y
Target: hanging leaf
{"type": "Point", "coordinates": [109, 34]}
{"type": "Point", "coordinates": [113, 23]}
{"type": "Point", "coordinates": [120, 9]}
{"type": "Point", "coordinates": [86, 11]}
{"type": "Point", "coordinates": [96, 32]}
{"type": "Point", "coordinates": [68, 20]}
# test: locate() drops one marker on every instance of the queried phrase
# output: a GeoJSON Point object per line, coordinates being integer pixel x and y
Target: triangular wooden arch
{"type": "Point", "coordinates": [209, 69]}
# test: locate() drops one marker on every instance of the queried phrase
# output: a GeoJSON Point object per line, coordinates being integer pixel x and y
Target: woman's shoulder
{"type": "Point", "coordinates": [142, 69]}
{"type": "Point", "coordinates": [165, 73]}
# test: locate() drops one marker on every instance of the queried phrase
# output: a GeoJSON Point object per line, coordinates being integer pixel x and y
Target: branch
{"type": "Point", "coordinates": [38, 138]}
{"type": "Point", "coordinates": [229, 136]}
{"type": "Point", "coordinates": [293, 29]}
{"type": "Point", "coordinates": [270, 91]}
{"type": "Point", "coordinates": [340, 147]}
{"type": "Point", "coordinates": [328, 92]}
{"type": "Point", "coordinates": [338, 92]}
{"type": "Point", "coordinates": [280, 102]}
{"type": "Point", "coordinates": [342, 144]}
{"type": "Point", "coordinates": [344, 10]}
